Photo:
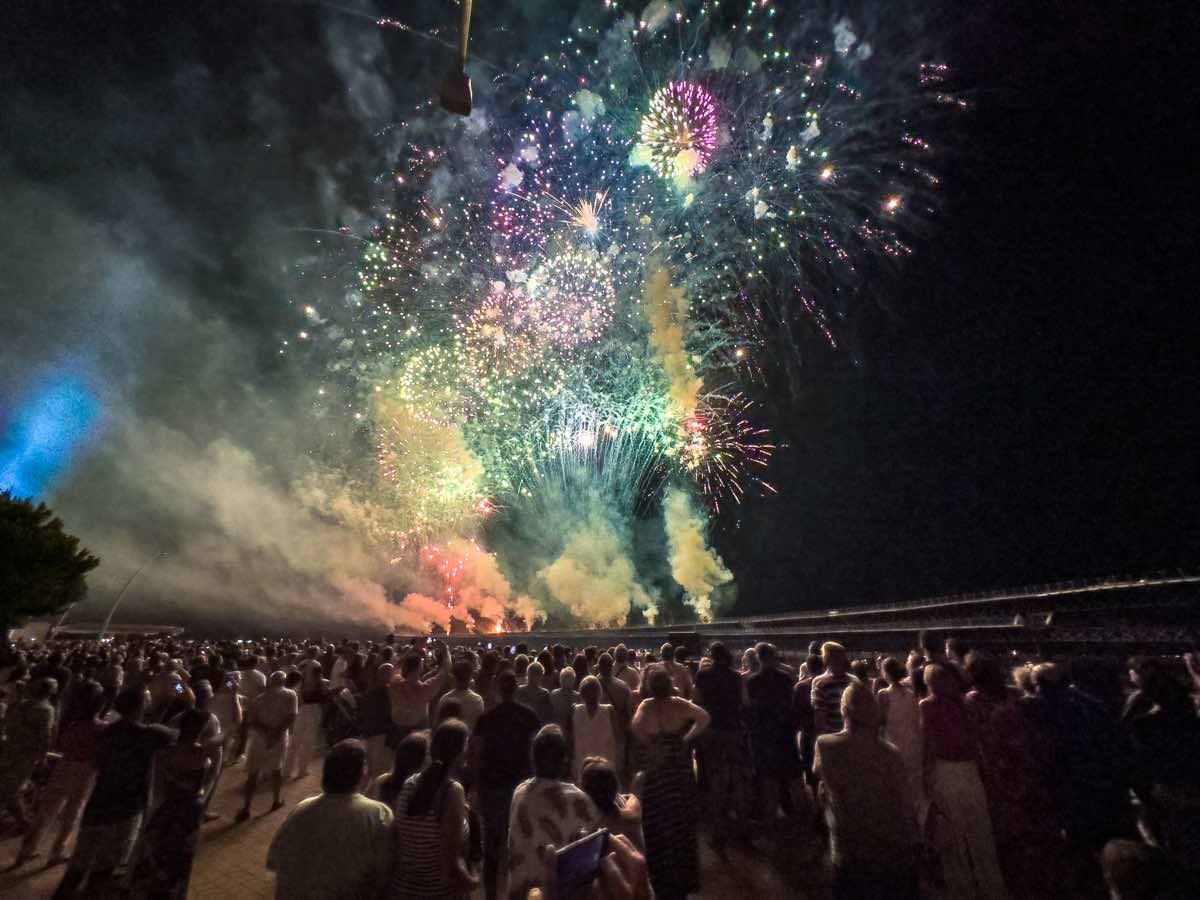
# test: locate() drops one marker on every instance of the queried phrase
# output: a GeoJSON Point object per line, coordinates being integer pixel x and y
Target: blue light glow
{"type": "Point", "coordinates": [42, 436]}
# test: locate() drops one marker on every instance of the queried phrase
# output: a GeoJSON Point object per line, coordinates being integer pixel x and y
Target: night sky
{"type": "Point", "coordinates": [1017, 406]}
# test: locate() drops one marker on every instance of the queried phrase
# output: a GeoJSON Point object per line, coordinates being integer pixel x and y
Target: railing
{"type": "Point", "coordinates": [1047, 591]}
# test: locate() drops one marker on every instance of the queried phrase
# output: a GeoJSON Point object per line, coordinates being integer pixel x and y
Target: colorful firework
{"type": "Point", "coordinates": [679, 131]}
{"type": "Point", "coordinates": [724, 450]}
{"type": "Point", "coordinates": [574, 298]}
{"type": "Point", "coordinates": [770, 165]}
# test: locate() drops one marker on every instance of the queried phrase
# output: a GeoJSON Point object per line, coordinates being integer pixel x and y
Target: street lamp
{"type": "Point", "coordinates": [455, 93]}
{"type": "Point", "coordinates": [117, 602]}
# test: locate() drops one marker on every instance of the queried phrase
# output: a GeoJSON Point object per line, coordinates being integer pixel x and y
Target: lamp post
{"type": "Point", "coordinates": [117, 602]}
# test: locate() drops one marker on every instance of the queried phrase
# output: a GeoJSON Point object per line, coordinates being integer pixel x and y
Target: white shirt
{"type": "Point", "coordinates": [469, 702]}
{"type": "Point", "coordinates": [252, 683]}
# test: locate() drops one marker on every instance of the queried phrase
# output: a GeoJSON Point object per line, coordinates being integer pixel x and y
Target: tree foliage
{"type": "Point", "coordinates": [42, 568]}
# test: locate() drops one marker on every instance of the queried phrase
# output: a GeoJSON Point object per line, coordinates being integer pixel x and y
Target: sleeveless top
{"type": "Point", "coordinates": [420, 872]}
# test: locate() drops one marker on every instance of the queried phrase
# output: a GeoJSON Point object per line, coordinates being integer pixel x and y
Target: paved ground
{"type": "Point", "coordinates": [230, 865]}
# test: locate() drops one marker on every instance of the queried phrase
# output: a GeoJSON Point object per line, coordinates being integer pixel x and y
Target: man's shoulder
{"type": "Point", "coordinates": [297, 821]}
{"type": "Point", "coordinates": [373, 809]}
{"type": "Point", "coordinates": [522, 790]}
{"type": "Point", "coordinates": [831, 746]}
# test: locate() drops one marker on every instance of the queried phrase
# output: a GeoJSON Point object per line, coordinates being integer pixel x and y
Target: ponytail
{"type": "Point", "coordinates": [449, 741]}
{"type": "Point", "coordinates": [429, 783]}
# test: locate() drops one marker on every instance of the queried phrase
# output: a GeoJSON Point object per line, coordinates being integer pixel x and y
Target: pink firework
{"type": "Point", "coordinates": [680, 129]}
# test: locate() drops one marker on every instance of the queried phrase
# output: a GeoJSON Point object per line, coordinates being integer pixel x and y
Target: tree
{"type": "Point", "coordinates": [42, 568]}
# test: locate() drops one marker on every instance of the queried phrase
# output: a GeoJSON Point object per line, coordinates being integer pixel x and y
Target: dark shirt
{"type": "Point", "coordinates": [507, 730]}
{"type": "Point", "coordinates": [719, 692]}
{"type": "Point", "coordinates": [770, 693]}
{"type": "Point", "coordinates": [949, 733]}
{"type": "Point", "coordinates": [124, 766]}
{"type": "Point", "coordinates": [802, 707]}
{"type": "Point", "coordinates": [537, 699]}
{"type": "Point", "coordinates": [1167, 749]}
{"type": "Point", "coordinates": [375, 711]}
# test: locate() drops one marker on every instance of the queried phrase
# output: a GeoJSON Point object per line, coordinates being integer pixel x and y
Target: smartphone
{"type": "Point", "coordinates": [578, 863]}
{"type": "Point", "coordinates": [178, 688]}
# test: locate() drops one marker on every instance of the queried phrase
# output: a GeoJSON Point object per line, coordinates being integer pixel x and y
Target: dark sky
{"type": "Point", "coordinates": [1027, 412]}
{"type": "Point", "coordinates": [1021, 408]}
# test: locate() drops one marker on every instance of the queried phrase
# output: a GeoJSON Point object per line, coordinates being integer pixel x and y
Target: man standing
{"type": "Point", "coordinates": [500, 761]}
{"type": "Point", "coordinates": [338, 843]}
{"type": "Point", "coordinates": [719, 692]}
{"type": "Point", "coordinates": [470, 704]}
{"type": "Point", "coordinates": [253, 682]}
{"type": "Point", "coordinates": [308, 719]}
{"type": "Point", "coordinates": [872, 823]}
{"type": "Point", "coordinates": [270, 720]}
{"type": "Point", "coordinates": [28, 727]}
{"type": "Point", "coordinates": [534, 695]}
{"type": "Point", "coordinates": [827, 689]}
{"type": "Point", "coordinates": [411, 695]}
{"type": "Point", "coordinates": [124, 767]}
{"type": "Point", "coordinates": [680, 676]}
{"type": "Point", "coordinates": [624, 670]}
{"type": "Point", "coordinates": [772, 732]}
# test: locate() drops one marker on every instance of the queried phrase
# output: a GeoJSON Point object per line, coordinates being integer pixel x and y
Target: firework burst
{"type": "Point", "coordinates": [679, 131]}
{"type": "Point", "coordinates": [574, 297]}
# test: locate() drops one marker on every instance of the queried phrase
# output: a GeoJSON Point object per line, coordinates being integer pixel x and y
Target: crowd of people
{"type": "Point", "coordinates": [946, 773]}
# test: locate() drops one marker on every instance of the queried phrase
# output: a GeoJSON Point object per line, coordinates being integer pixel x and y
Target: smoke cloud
{"type": "Point", "coordinates": [594, 577]}
{"type": "Point", "coordinates": [694, 565]}
{"type": "Point", "coordinates": [148, 240]}
{"type": "Point", "coordinates": [666, 310]}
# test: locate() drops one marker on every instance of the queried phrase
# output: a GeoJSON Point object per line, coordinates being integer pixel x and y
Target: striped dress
{"type": "Point", "coordinates": [421, 870]}
{"type": "Point", "coordinates": [670, 812]}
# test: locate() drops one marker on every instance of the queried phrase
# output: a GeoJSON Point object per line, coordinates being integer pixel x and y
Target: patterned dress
{"type": "Point", "coordinates": [544, 811]}
{"type": "Point", "coordinates": [670, 811]}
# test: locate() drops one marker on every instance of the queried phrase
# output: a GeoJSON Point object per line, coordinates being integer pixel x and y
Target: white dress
{"type": "Point", "coordinates": [594, 736]}
{"type": "Point", "coordinates": [902, 728]}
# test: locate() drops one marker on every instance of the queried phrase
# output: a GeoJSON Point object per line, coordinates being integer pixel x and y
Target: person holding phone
{"type": "Point", "coordinates": [619, 872]}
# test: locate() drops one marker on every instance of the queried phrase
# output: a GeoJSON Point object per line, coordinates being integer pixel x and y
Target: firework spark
{"type": "Point", "coordinates": [679, 131]}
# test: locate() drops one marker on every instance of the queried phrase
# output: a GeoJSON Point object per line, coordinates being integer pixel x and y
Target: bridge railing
{"type": "Point", "coordinates": [1046, 591]}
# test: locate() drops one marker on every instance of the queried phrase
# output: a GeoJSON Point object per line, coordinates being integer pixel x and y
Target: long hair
{"type": "Point", "coordinates": [448, 742]}
{"type": "Point", "coordinates": [410, 756]}
{"type": "Point", "coordinates": [599, 781]}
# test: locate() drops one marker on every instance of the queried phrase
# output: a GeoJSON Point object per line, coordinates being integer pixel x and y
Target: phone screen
{"type": "Point", "coordinates": [578, 864]}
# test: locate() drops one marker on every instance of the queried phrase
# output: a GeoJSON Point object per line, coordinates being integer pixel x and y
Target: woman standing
{"type": "Point", "coordinates": [962, 825]}
{"type": "Point", "coordinates": [227, 706]}
{"type": "Point", "coordinates": [431, 826]}
{"type": "Point", "coordinates": [667, 725]}
{"type": "Point", "coordinates": [1023, 821]}
{"type": "Point", "coordinates": [593, 727]}
{"type": "Point", "coordinates": [901, 720]}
